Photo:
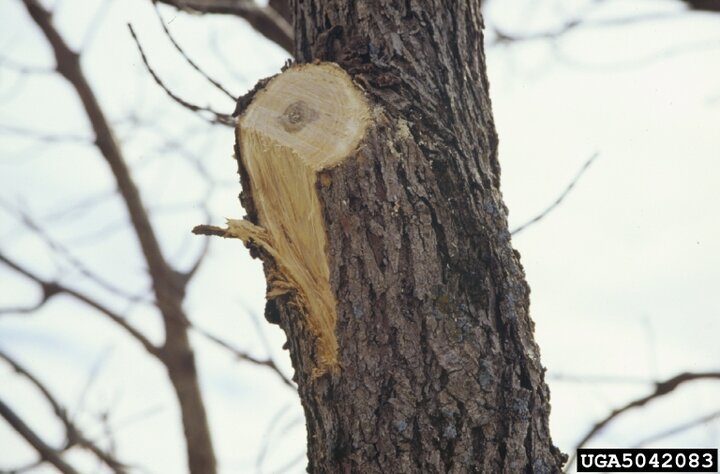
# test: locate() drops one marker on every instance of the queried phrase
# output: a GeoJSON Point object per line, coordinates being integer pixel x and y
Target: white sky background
{"type": "Point", "coordinates": [624, 273]}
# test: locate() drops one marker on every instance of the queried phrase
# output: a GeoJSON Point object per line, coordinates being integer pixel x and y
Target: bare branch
{"type": "Point", "coordinates": [26, 468]}
{"type": "Point", "coordinates": [51, 289]}
{"type": "Point", "coordinates": [91, 379]}
{"type": "Point", "coordinates": [283, 8]}
{"type": "Point", "coordinates": [21, 68]}
{"type": "Point", "coordinates": [265, 20]}
{"type": "Point", "coordinates": [44, 137]}
{"type": "Point", "coordinates": [73, 433]}
{"type": "Point", "coordinates": [23, 309]}
{"type": "Point", "coordinates": [661, 389]}
{"type": "Point", "coordinates": [504, 37]}
{"type": "Point", "coordinates": [637, 62]}
{"type": "Point", "coordinates": [560, 198]}
{"type": "Point", "coordinates": [80, 206]}
{"type": "Point", "coordinates": [216, 47]}
{"type": "Point", "coordinates": [706, 5]}
{"type": "Point", "coordinates": [46, 452]}
{"type": "Point", "coordinates": [292, 462]}
{"type": "Point", "coordinates": [242, 355]}
{"type": "Point", "coordinates": [270, 440]}
{"type": "Point", "coordinates": [64, 252]}
{"type": "Point", "coordinates": [679, 429]}
{"type": "Point", "coordinates": [255, 319]}
{"type": "Point", "coordinates": [95, 23]}
{"type": "Point", "coordinates": [266, 439]}
{"type": "Point", "coordinates": [204, 229]}
{"type": "Point", "coordinates": [220, 118]}
{"type": "Point", "coordinates": [108, 432]}
{"type": "Point", "coordinates": [189, 274]}
{"type": "Point", "coordinates": [187, 58]}
{"type": "Point", "coordinates": [168, 286]}
{"type": "Point", "coordinates": [68, 65]}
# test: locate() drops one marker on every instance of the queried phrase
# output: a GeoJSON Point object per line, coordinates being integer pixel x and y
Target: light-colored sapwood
{"type": "Point", "coordinates": [307, 119]}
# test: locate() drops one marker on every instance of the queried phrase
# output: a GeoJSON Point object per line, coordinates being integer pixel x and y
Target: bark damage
{"type": "Point", "coordinates": [439, 370]}
{"type": "Point", "coordinates": [304, 121]}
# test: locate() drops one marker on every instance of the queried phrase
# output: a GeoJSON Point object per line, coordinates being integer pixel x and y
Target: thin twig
{"type": "Point", "coordinates": [23, 68]}
{"type": "Point", "coordinates": [44, 137]}
{"type": "Point", "coordinates": [108, 432]}
{"type": "Point", "coordinates": [25, 468]}
{"type": "Point", "coordinates": [557, 202]}
{"type": "Point", "coordinates": [192, 271]}
{"type": "Point", "coordinates": [140, 416]}
{"type": "Point", "coordinates": [259, 329]}
{"type": "Point", "coordinates": [79, 207]}
{"type": "Point", "coordinates": [661, 54]}
{"type": "Point", "coordinates": [220, 118]}
{"type": "Point", "coordinates": [73, 433]}
{"type": "Point", "coordinates": [504, 37]}
{"type": "Point", "coordinates": [65, 253]}
{"type": "Point", "coordinates": [679, 429]}
{"type": "Point", "coordinates": [265, 20]}
{"type": "Point", "coordinates": [242, 355]}
{"type": "Point", "coordinates": [266, 439]}
{"type": "Point", "coordinates": [23, 309]}
{"type": "Point", "coordinates": [68, 65]}
{"type": "Point", "coordinates": [91, 379]}
{"type": "Point", "coordinates": [95, 24]}
{"type": "Point", "coordinates": [176, 353]}
{"type": "Point", "coordinates": [216, 43]}
{"type": "Point", "coordinates": [205, 229]}
{"type": "Point", "coordinates": [661, 389]}
{"type": "Point", "coordinates": [46, 452]}
{"type": "Point", "coordinates": [187, 58]}
{"type": "Point", "coordinates": [286, 467]}
{"type": "Point", "coordinates": [51, 289]}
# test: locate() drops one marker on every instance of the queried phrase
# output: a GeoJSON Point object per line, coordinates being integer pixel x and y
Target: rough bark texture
{"type": "Point", "coordinates": [439, 368]}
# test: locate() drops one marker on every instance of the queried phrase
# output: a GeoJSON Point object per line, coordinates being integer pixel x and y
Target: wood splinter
{"type": "Point", "coordinates": [305, 120]}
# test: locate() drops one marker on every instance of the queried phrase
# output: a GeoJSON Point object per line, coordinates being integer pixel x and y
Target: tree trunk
{"type": "Point", "coordinates": [372, 192]}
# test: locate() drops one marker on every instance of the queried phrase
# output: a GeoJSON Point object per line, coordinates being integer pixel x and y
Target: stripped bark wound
{"type": "Point", "coordinates": [439, 367]}
{"type": "Point", "coordinates": [390, 268]}
{"type": "Point", "coordinates": [305, 120]}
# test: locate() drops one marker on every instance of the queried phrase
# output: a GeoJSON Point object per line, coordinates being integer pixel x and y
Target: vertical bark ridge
{"type": "Point", "coordinates": [440, 371]}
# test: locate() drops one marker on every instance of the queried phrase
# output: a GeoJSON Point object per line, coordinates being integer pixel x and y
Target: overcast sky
{"type": "Point", "coordinates": [625, 272]}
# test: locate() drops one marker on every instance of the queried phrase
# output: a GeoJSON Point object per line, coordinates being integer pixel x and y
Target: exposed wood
{"type": "Point", "coordinates": [438, 368]}
{"type": "Point", "coordinates": [306, 120]}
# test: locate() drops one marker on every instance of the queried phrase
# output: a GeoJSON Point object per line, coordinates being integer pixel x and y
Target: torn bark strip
{"type": "Point", "coordinates": [305, 120]}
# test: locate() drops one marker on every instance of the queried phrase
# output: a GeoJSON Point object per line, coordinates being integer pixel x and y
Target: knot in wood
{"type": "Point", "coordinates": [296, 116]}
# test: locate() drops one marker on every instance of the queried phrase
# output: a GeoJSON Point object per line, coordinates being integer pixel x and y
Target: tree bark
{"type": "Point", "coordinates": [434, 368]}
